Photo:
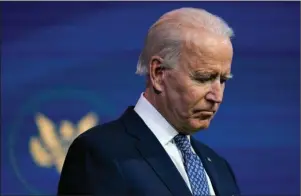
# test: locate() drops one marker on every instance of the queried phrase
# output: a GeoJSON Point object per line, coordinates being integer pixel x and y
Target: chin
{"type": "Point", "coordinates": [196, 125]}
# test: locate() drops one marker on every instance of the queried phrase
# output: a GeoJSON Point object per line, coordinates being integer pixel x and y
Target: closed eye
{"type": "Point", "coordinates": [206, 78]}
{"type": "Point", "coordinates": [203, 77]}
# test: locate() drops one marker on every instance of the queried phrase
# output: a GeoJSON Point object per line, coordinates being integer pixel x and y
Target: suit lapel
{"type": "Point", "coordinates": [154, 154]}
{"type": "Point", "coordinates": [208, 164]}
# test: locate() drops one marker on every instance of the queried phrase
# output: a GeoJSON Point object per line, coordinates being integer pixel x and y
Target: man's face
{"type": "Point", "coordinates": [193, 92]}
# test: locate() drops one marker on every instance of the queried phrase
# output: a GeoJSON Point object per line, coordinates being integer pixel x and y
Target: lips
{"type": "Point", "coordinates": [203, 111]}
{"type": "Point", "coordinates": [203, 114]}
{"type": "Point", "coordinates": [207, 112]}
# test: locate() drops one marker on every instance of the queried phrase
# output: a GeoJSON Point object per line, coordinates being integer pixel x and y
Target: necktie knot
{"type": "Point", "coordinates": [183, 143]}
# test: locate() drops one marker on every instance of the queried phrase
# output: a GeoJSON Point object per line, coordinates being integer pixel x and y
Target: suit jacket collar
{"type": "Point", "coordinates": [154, 154]}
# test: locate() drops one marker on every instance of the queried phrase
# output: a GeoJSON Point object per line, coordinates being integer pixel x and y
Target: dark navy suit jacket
{"type": "Point", "coordinates": [123, 157]}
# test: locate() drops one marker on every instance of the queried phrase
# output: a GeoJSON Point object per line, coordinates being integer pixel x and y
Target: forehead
{"type": "Point", "coordinates": [208, 51]}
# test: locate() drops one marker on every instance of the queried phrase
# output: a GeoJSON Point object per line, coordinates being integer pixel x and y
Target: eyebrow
{"type": "Point", "coordinates": [211, 72]}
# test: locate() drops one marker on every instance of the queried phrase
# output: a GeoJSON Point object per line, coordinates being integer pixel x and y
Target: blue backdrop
{"type": "Point", "coordinates": [68, 66]}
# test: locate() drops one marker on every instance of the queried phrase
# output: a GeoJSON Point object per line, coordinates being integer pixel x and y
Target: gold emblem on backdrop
{"type": "Point", "coordinates": [50, 147]}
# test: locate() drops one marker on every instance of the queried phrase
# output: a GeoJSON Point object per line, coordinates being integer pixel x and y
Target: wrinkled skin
{"type": "Point", "coordinates": [190, 95]}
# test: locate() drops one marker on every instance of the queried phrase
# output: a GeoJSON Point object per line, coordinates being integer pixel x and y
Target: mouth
{"type": "Point", "coordinates": [197, 111]}
{"type": "Point", "coordinates": [204, 114]}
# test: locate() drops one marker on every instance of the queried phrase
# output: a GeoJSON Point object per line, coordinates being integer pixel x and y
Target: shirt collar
{"type": "Point", "coordinates": [155, 121]}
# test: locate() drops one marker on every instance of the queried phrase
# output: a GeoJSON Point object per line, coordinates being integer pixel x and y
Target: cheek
{"type": "Point", "coordinates": [175, 86]}
{"type": "Point", "coordinates": [196, 93]}
{"type": "Point", "coordinates": [184, 93]}
{"type": "Point", "coordinates": [173, 93]}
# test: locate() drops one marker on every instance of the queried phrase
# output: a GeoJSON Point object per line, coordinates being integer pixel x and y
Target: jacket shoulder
{"type": "Point", "coordinates": [102, 131]}
{"type": "Point", "coordinates": [107, 138]}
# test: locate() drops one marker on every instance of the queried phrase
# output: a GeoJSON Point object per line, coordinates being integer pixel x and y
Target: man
{"type": "Point", "coordinates": [149, 149]}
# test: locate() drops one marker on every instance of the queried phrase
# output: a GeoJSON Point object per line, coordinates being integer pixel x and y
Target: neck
{"type": "Point", "coordinates": [158, 103]}
{"type": "Point", "coordinates": [151, 96]}
{"type": "Point", "coordinates": [156, 100]}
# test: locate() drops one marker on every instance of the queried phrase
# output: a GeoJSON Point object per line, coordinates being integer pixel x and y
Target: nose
{"type": "Point", "coordinates": [216, 92]}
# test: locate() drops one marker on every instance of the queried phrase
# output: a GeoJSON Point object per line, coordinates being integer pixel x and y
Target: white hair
{"type": "Point", "coordinates": [165, 36]}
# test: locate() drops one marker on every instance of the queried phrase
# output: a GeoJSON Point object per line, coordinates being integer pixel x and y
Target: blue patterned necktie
{"type": "Point", "coordinates": [194, 167]}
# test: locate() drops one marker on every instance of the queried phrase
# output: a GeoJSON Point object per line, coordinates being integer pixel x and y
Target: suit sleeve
{"type": "Point", "coordinates": [89, 173]}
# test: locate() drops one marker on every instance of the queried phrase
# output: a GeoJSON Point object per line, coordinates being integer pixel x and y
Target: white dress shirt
{"type": "Point", "coordinates": [165, 134]}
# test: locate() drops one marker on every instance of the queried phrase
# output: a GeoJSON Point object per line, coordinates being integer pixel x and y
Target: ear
{"type": "Point", "coordinates": [156, 73]}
